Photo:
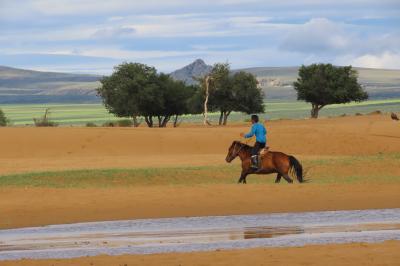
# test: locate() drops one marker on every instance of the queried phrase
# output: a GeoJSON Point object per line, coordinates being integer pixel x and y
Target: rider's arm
{"type": "Point", "coordinates": [251, 133]}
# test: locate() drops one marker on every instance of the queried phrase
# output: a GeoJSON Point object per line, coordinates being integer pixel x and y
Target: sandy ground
{"type": "Point", "coordinates": [39, 149]}
{"type": "Point", "coordinates": [40, 206]}
{"type": "Point", "coordinates": [386, 253]}
{"type": "Point", "coordinates": [42, 149]}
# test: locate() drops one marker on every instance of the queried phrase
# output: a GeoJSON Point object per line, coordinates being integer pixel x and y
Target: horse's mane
{"type": "Point", "coordinates": [243, 145]}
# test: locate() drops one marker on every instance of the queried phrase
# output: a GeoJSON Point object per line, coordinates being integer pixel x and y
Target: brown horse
{"type": "Point", "coordinates": [272, 162]}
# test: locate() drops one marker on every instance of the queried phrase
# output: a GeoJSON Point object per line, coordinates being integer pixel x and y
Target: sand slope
{"type": "Point", "coordinates": [38, 149]}
{"type": "Point", "coordinates": [386, 253]}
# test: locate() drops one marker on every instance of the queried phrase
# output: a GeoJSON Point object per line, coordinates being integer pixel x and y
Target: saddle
{"type": "Point", "coordinates": [257, 159]}
{"type": "Point", "coordinates": [264, 151]}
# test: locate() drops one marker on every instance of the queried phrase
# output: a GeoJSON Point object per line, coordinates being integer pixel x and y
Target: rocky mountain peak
{"type": "Point", "coordinates": [196, 69]}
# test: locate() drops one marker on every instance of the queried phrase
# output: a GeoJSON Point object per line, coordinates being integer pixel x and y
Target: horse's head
{"type": "Point", "coordinates": [233, 151]}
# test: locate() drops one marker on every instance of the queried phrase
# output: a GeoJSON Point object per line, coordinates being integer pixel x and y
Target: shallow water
{"type": "Point", "coordinates": [147, 236]}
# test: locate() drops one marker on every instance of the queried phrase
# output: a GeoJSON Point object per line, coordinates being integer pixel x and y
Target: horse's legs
{"type": "Point", "coordinates": [242, 178]}
{"type": "Point", "coordinates": [287, 178]}
{"type": "Point", "coordinates": [278, 178]}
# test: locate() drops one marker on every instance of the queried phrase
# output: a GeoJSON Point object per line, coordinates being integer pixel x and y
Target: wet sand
{"type": "Point", "coordinates": [197, 234]}
{"type": "Point", "coordinates": [386, 253]}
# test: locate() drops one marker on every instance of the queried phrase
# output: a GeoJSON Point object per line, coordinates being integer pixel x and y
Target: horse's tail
{"type": "Point", "coordinates": [297, 168]}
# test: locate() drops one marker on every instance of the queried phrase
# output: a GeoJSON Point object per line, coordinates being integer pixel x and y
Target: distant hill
{"type": "Point", "coordinates": [196, 69]}
{"type": "Point", "coordinates": [276, 82]}
{"type": "Point", "coordinates": [28, 86]}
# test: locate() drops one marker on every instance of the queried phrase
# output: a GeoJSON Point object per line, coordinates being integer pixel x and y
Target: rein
{"type": "Point", "coordinates": [236, 153]}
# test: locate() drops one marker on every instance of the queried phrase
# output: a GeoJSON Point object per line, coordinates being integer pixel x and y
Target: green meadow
{"type": "Point", "coordinates": [80, 114]}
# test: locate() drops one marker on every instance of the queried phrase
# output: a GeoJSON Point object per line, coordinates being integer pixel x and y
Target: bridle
{"type": "Point", "coordinates": [236, 153]}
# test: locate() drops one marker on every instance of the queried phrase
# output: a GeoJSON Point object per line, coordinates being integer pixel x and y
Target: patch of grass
{"type": "Point", "coordinates": [357, 179]}
{"type": "Point", "coordinates": [80, 114]}
{"type": "Point", "coordinates": [91, 124]}
{"type": "Point", "coordinates": [327, 171]}
{"type": "Point", "coordinates": [349, 160]}
{"type": "Point", "coordinates": [124, 177]}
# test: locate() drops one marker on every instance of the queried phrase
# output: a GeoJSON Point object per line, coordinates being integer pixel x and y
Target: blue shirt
{"type": "Point", "coordinates": [260, 132]}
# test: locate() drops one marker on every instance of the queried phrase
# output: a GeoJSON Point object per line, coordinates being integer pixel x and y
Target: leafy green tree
{"type": "Point", "coordinates": [135, 90]}
{"type": "Point", "coordinates": [3, 119]}
{"type": "Point", "coordinates": [237, 92]}
{"type": "Point", "coordinates": [324, 84]}
{"type": "Point", "coordinates": [176, 99]}
{"type": "Point", "coordinates": [121, 91]}
{"type": "Point", "coordinates": [249, 98]}
{"type": "Point", "coordinates": [166, 99]}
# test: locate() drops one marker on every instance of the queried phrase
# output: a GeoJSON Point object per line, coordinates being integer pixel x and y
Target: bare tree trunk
{"type": "Point", "coordinates": [207, 81]}
{"type": "Point", "coordinates": [226, 114]}
{"type": "Point", "coordinates": [149, 121]}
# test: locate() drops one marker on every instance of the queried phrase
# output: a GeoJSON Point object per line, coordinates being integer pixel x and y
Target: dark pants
{"type": "Point", "coordinates": [257, 147]}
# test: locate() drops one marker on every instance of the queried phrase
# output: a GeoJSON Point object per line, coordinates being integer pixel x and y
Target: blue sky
{"type": "Point", "coordinates": [92, 36]}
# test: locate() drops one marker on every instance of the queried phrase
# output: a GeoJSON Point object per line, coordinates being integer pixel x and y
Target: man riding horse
{"type": "Point", "coordinates": [258, 130]}
{"type": "Point", "coordinates": [272, 161]}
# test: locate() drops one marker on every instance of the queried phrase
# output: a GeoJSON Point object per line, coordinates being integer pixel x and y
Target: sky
{"type": "Point", "coordinates": [92, 36]}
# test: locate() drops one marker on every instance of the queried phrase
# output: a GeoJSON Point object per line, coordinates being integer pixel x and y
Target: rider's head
{"type": "Point", "coordinates": [254, 119]}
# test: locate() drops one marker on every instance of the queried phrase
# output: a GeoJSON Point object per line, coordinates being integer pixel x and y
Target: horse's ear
{"type": "Point", "coordinates": [235, 142]}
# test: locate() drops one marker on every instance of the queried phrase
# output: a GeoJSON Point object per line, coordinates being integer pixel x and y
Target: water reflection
{"type": "Point", "coordinates": [269, 232]}
{"type": "Point", "coordinates": [199, 234]}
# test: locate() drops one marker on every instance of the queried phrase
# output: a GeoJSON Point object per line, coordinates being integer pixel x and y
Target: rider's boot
{"type": "Point", "coordinates": [254, 161]}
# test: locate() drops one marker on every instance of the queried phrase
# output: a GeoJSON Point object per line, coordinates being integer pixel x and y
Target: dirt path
{"type": "Point", "coordinates": [386, 253]}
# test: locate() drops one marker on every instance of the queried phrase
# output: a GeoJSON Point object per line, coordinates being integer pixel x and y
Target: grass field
{"type": "Point", "coordinates": [335, 170]}
{"type": "Point", "coordinates": [80, 114]}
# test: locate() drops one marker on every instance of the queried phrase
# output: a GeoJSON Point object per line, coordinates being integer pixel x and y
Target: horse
{"type": "Point", "coordinates": [271, 162]}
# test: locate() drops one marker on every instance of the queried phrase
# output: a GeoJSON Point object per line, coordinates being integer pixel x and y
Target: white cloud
{"type": "Point", "coordinates": [319, 35]}
{"type": "Point", "coordinates": [384, 60]}
{"type": "Point", "coordinates": [245, 32]}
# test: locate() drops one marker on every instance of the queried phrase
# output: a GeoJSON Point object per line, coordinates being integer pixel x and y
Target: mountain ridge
{"type": "Point", "coordinates": [31, 86]}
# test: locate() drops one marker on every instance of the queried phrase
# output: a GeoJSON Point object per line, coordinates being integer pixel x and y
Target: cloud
{"type": "Point", "coordinates": [323, 40]}
{"type": "Point", "coordinates": [168, 34]}
{"type": "Point", "coordinates": [384, 60]}
{"type": "Point", "coordinates": [319, 35]}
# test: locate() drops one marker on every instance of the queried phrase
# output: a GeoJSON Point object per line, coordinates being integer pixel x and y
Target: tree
{"type": "Point", "coordinates": [249, 98]}
{"type": "Point", "coordinates": [177, 98]}
{"type": "Point", "coordinates": [216, 80]}
{"type": "Point", "coordinates": [135, 90]}
{"type": "Point", "coordinates": [324, 84]}
{"type": "Point", "coordinates": [120, 91]}
{"type": "Point", "coordinates": [166, 99]}
{"type": "Point", "coordinates": [3, 119]}
{"type": "Point", "coordinates": [237, 92]}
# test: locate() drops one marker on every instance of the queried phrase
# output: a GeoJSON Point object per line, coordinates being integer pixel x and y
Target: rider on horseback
{"type": "Point", "coordinates": [260, 132]}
